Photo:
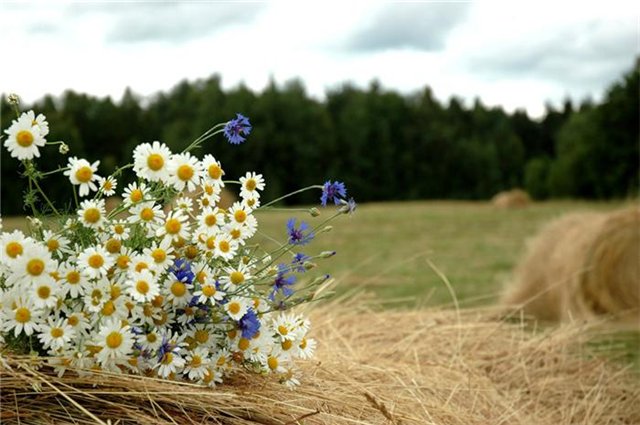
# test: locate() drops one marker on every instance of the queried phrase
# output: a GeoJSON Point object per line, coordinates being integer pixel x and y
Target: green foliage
{"type": "Point", "coordinates": [385, 146]}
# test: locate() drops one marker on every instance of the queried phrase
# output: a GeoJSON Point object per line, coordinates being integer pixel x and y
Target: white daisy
{"type": "Point", "coordinates": [226, 247]}
{"type": "Point", "coordinates": [197, 362]}
{"type": "Point", "coordinates": [210, 220]}
{"type": "Point", "coordinates": [306, 348]}
{"type": "Point", "coordinates": [213, 170]}
{"type": "Point", "coordinates": [24, 138]}
{"type": "Point", "coordinates": [148, 214]}
{"type": "Point", "coordinates": [202, 335]}
{"type": "Point", "coordinates": [161, 253]}
{"type": "Point", "coordinates": [55, 334]}
{"type": "Point", "coordinates": [56, 243]}
{"type": "Point", "coordinates": [115, 340]}
{"type": "Point", "coordinates": [151, 161]}
{"type": "Point", "coordinates": [45, 293]}
{"type": "Point", "coordinates": [235, 276]}
{"type": "Point", "coordinates": [40, 121]}
{"type": "Point", "coordinates": [83, 173]}
{"type": "Point", "coordinates": [236, 307]}
{"type": "Point", "coordinates": [135, 193]}
{"type": "Point", "coordinates": [108, 185]}
{"type": "Point", "coordinates": [175, 227]}
{"type": "Point", "coordinates": [183, 203]}
{"type": "Point", "coordinates": [185, 171]}
{"type": "Point", "coordinates": [178, 292]}
{"type": "Point", "coordinates": [22, 316]}
{"type": "Point", "coordinates": [209, 292]}
{"type": "Point", "coordinates": [12, 246]}
{"type": "Point", "coordinates": [92, 213]}
{"type": "Point", "coordinates": [251, 203]}
{"type": "Point", "coordinates": [251, 184]}
{"type": "Point", "coordinates": [211, 193]}
{"type": "Point", "coordinates": [95, 261]}
{"type": "Point", "coordinates": [238, 213]}
{"type": "Point", "coordinates": [35, 265]}
{"type": "Point", "coordinates": [96, 296]}
{"type": "Point", "coordinates": [286, 327]}
{"type": "Point", "coordinates": [150, 340]}
{"type": "Point", "coordinates": [142, 286]}
{"type": "Point", "coordinates": [73, 283]}
{"type": "Point", "coordinates": [140, 262]}
{"type": "Point", "coordinates": [275, 363]}
{"type": "Point", "coordinates": [170, 364]}
{"type": "Point", "coordinates": [120, 230]}
{"type": "Point", "coordinates": [78, 322]}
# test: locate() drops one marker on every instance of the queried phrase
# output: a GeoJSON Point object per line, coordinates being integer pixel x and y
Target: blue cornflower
{"type": "Point", "coordinates": [249, 324]}
{"type": "Point", "coordinates": [333, 192]}
{"type": "Point", "coordinates": [165, 347]}
{"type": "Point", "coordinates": [181, 269]}
{"type": "Point", "coordinates": [237, 127]}
{"type": "Point", "coordinates": [298, 236]}
{"type": "Point", "coordinates": [297, 264]}
{"type": "Point", "coordinates": [282, 283]}
{"type": "Point", "coordinates": [348, 207]}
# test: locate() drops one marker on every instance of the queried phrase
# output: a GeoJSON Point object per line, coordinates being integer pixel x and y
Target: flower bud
{"type": "Point", "coordinates": [326, 229]}
{"type": "Point", "coordinates": [327, 254]}
{"type": "Point", "coordinates": [13, 99]}
{"type": "Point", "coordinates": [63, 148]}
{"type": "Point", "coordinates": [308, 265]}
{"type": "Point", "coordinates": [314, 212]}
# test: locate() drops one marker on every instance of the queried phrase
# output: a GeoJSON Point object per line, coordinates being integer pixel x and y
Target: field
{"type": "Point", "coordinates": [391, 249]}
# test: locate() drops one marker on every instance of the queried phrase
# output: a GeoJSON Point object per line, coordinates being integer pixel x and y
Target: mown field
{"type": "Point", "coordinates": [389, 248]}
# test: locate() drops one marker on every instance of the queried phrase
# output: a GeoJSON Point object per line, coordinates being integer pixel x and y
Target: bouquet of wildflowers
{"type": "Point", "coordinates": [180, 293]}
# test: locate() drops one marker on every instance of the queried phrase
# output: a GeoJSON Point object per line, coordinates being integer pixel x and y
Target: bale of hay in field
{"type": "Point", "coordinates": [580, 266]}
{"type": "Point", "coordinates": [515, 198]}
{"type": "Point", "coordinates": [411, 367]}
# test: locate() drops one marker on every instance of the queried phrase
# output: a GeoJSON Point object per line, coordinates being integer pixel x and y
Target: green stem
{"type": "Point", "coordinates": [46, 198]}
{"type": "Point", "coordinates": [304, 189]}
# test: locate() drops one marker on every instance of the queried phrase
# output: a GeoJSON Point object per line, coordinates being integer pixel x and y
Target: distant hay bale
{"type": "Point", "coordinates": [515, 198]}
{"type": "Point", "coordinates": [581, 266]}
{"type": "Point", "coordinates": [391, 368]}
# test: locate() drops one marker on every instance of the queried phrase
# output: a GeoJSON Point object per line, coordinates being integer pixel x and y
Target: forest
{"type": "Point", "coordinates": [382, 144]}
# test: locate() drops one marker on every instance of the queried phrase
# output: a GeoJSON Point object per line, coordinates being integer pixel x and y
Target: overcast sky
{"type": "Point", "coordinates": [518, 54]}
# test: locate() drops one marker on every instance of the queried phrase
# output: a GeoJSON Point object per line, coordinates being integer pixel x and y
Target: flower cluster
{"type": "Point", "coordinates": [174, 289]}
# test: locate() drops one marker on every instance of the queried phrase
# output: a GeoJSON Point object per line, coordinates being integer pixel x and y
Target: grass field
{"type": "Point", "coordinates": [386, 248]}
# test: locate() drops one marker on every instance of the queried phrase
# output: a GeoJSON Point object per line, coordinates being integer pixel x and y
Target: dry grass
{"type": "Point", "coordinates": [514, 198]}
{"type": "Point", "coordinates": [421, 367]}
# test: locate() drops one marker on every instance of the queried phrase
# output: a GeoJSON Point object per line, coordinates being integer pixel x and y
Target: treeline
{"type": "Point", "coordinates": [384, 145]}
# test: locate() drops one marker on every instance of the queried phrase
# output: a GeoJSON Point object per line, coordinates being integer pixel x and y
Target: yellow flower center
{"type": "Point", "coordinates": [13, 249]}
{"type": "Point", "coordinates": [178, 289]}
{"type": "Point", "coordinates": [73, 277]}
{"type": "Point", "coordinates": [142, 286]}
{"type": "Point", "coordinates": [243, 344]}
{"type": "Point", "coordinates": [147, 214]}
{"type": "Point", "coordinates": [196, 361]}
{"type": "Point", "coordinates": [235, 233]}
{"type": "Point", "coordinates": [201, 276]}
{"type": "Point", "coordinates": [119, 229]}
{"type": "Point", "coordinates": [287, 344]}
{"type": "Point", "coordinates": [251, 202]}
{"type": "Point", "coordinates": [236, 277]}
{"type": "Point", "coordinates": [159, 255]}
{"type": "Point", "coordinates": [136, 195]}
{"type": "Point", "coordinates": [23, 315]}
{"type": "Point", "coordinates": [167, 358]}
{"type": "Point", "coordinates": [91, 215]}
{"type": "Point", "coordinates": [303, 343]}
{"type": "Point", "coordinates": [185, 172]}
{"type": "Point", "coordinates": [84, 174]}
{"type": "Point", "coordinates": [283, 330]}
{"type": "Point", "coordinates": [53, 245]}
{"type": "Point", "coordinates": [155, 162]}
{"type": "Point", "coordinates": [141, 266]}
{"type": "Point", "coordinates": [123, 261]}
{"type": "Point", "coordinates": [272, 362]}
{"type": "Point", "coordinates": [107, 185]}
{"type": "Point", "coordinates": [24, 138]}
{"type": "Point", "coordinates": [113, 245]}
{"type": "Point", "coordinates": [210, 220]}
{"type": "Point", "coordinates": [201, 336]}
{"type": "Point", "coordinates": [224, 246]}
{"type": "Point", "coordinates": [240, 216]}
{"type": "Point", "coordinates": [215, 172]}
{"type": "Point", "coordinates": [73, 320]}
{"type": "Point", "coordinates": [234, 308]}
{"type": "Point", "coordinates": [211, 242]}
{"type": "Point", "coordinates": [114, 340]}
{"type": "Point", "coordinates": [115, 291]}
{"type": "Point", "coordinates": [208, 291]}
{"type": "Point", "coordinates": [109, 308]}
{"type": "Point", "coordinates": [208, 189]}
{"type": "Point", "coordinates": [250, 184]}
{"type": "Point", "coordinates": [35, 267]}
{"type": "Point", "coordinates": [96, 261]}
{"type": "Point", "coordinates": [44, 292]}
{"type": "Point", "coordinates": [152, 338]}
{"type": "Point", "coordinates": [157, 301]}
{"type": "Point", "coordinates": [173, 226]}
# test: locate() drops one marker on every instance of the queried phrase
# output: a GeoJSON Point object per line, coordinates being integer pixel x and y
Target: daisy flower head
{"type": "Point", "coordinates": [184, 203]}
{"type": "Point", "coordinates": [235, 129]}
{"type": "Point", "coordinates": [115, 341]}
{"type": "Point", "coordinates": [299, 235]}
{"type": "Point", "coordinates": [95, 261]}
{"type": "Point", "coordinates": [226, 248]}
{"type": "Point", "coordinates": [78, 321]}
{"type": "Point", "coordinates": [287, 327]}
{"type": "Point", "coordinates": [275, 363]}
{"type": "Point", "coordinates": [238, 233]}
{"type": "Point", "coordinates": [135, 193]}
{"type": "Point", "coordinates": [55, 334]}
{"type": "Point", "coordinates": [12, 246]}
{"type": "Point", "coordinates": [22, 316]}
{"type": "Point", "coordinates": [333, 192]}
{"type": "Point", "coordinates": [175, 226]}
{"type": "Point", "coordinates": [40, 122]}
{"type": "Point", "coordinates": [209, 292]}
{"type": "Point", "coordinates": [142, 286]}
{"type": "Point", "coordinates": [178, 291]}
{"type": "Point", "coordinates": [57, 244]}
{"type": "Point", "coordinates": [235, 276]}
{"type": "Point", "coordinates": [119, 230]}
{"type": "Point", "coordinates": [34, 266]}
{"type": "Point", "coordinates": [210, 219]}
{"type": "Point", "coordinates": [161, 253]}
{"type": "Point", "coordinates": [92, 213]}
{"type": "Point", "coordinates": [236, 308]}
{"type": "Point", "coordinates": [82, 173]}
{"type": "Point", "coordinates": [185, 172]}
{"type": "Point", "coordinates": [107, 185]}
{"type": "Point", "coordinates": [210, 194]}
{"type": "Point", "coordinates": [24, 138]}
{"type": "Point", "coordinates": [307, 348]}
{"type": "Point", "coordinates": [148, 214]}
{"type": "Point", "coordinates": [251, 183]}
{"type": "Point", "coordinates": [151, 161]}
{"type": "Point", "coordinates": [196, 363]}
{"type": "Point", "coordinates": [45, 293]}
{"type": "Point", "coordinates": [213, 171]}
{"type": "Point", "coordinates": [73, 283]}
{"type": "Point", "coordinates": [239, 213]}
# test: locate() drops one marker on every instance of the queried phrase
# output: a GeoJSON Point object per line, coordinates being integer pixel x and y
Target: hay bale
{"type": "Point", "coordinates": [515, 198]}
{"type": "Point", "coordinates": [581, 266]}
{"type": "Point", "coordinates": [411, 367]}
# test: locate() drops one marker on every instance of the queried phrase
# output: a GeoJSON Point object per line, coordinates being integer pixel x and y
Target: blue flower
{"type": "Point", "coordinates": [237, 127]}
{"type": "Point", "coordinates": [298, 236]}
{"type": "Point", "coordinates": [348, 207]}
{"type": "Point", "coordinates": [333, 192]}
{"type": "Point", "coordinates": [297, 264]}
{"type": "Point", "coordinates": [249, 324]}
{"type": "Point", "coordinates": [181, 269]}
{"type": "Point", "coordinates": [282, 283]}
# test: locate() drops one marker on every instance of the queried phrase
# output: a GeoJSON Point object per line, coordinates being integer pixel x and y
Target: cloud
{"type": "Point", "coordinates": [421, 26]}
{"type": "Point", "coordinates": [586, 54]}
{"type": "Point", "coordinates": [172, 22]}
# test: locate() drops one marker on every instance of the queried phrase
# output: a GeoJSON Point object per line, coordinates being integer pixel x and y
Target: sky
{"type": "Point", "coordinates": [513, 54]}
